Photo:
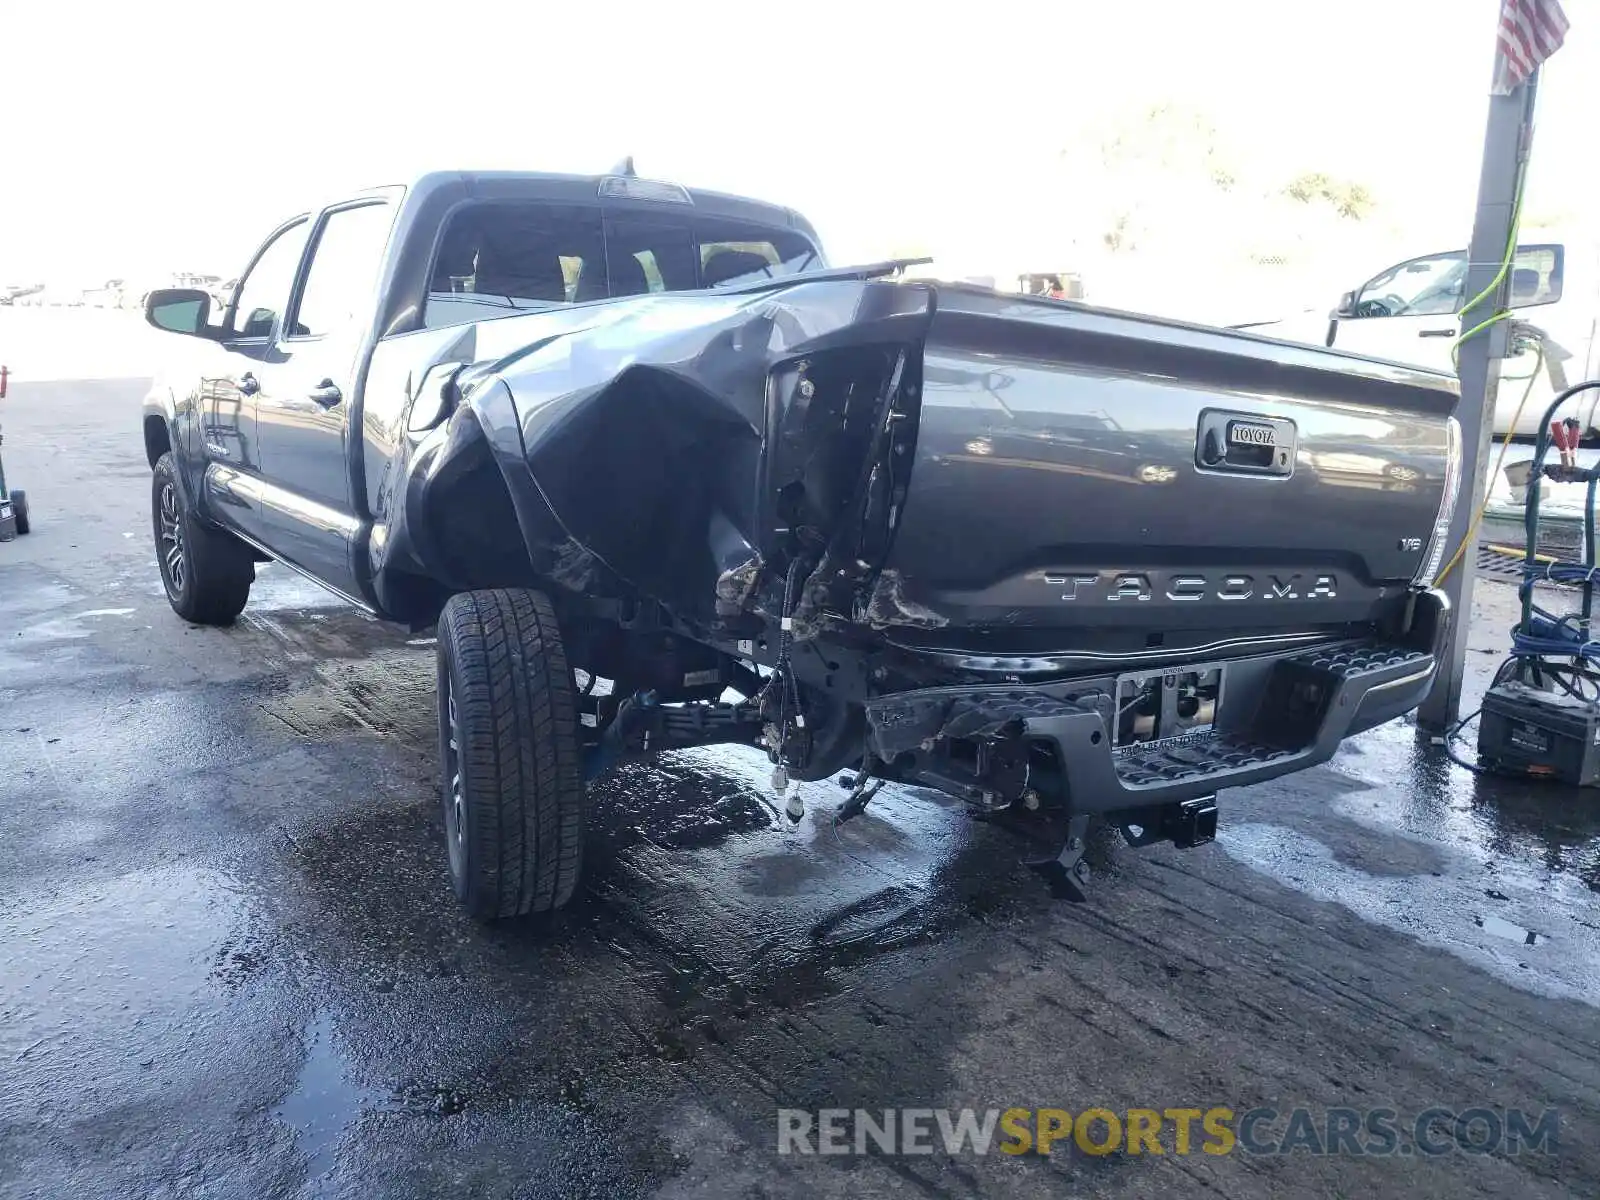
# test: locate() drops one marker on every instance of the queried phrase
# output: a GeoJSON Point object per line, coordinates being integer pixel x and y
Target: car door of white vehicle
{"type": "Point", "coordinates": [1410, 313]}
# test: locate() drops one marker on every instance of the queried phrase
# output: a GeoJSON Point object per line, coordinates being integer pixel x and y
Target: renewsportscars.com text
{"type": "Point", "coordinates": [1218, 1130]}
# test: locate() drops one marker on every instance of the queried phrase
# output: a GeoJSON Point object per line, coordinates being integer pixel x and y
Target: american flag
{"type": "Point", "coordinates": [1530, 32]}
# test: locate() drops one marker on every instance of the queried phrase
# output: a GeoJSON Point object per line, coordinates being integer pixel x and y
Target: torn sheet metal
{"type": "Point", "coordinates": [643, 432]}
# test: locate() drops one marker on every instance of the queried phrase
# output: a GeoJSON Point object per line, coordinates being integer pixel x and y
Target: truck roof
{"type": "Point", "coordinates": [586, 189]}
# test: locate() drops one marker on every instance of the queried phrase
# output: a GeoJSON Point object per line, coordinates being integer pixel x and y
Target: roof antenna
{"type": "Point", "coordinates": [625, 167]}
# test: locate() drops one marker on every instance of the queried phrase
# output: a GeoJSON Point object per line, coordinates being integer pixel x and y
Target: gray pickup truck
{"type": "Point", "coordinates": [661, 478]}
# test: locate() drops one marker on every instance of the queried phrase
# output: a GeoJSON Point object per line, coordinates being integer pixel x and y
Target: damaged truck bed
{"type": "Point", "coordinates": [662, 480]}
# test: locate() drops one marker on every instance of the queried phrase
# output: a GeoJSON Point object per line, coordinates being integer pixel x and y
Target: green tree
{"type": "Point", "coordinates": [1135, 173]}
{"type": "Point", "coordinates": [1351, 200]}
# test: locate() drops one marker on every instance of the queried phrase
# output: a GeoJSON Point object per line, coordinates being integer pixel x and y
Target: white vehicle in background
{"type": "Point", "coordinates": [1410, 313]}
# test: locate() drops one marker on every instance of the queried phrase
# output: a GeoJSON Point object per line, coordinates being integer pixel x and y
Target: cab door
{"type": "Point", "coordinates": [1411, 313]}
{"type": "Point", "coordinates": [308, 403]}
{"type": "Point", "coordinates": [230, 431]}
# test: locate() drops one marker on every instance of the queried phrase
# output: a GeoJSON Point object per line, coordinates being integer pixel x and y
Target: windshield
{"type": "Point", "coordinates": [531, 255]}
{"type": "Point", "coordinates": [1421, 287]}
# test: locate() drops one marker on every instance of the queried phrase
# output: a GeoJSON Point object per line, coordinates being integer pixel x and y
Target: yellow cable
{"type": "Point", "coordinates": [1455, 346]}
{"type": "Point", "coordinates": [1518, 552]}
{"type": "Point", "coordinates": [1505, 442]}
{"type": "Point", "coordinates": [1505, 266]}
{"type": "Point", "coordinates": [1455, 351]}
{"type": "Point", "coordinates": [1505, 263]}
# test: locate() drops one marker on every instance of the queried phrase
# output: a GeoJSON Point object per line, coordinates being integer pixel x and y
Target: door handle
{"type": "Point", "coordinates": [1437, 333]}
{"type": "Point", "coordinates": [327, 393]}
{"type": "Point", "coordinates": [248, 384]}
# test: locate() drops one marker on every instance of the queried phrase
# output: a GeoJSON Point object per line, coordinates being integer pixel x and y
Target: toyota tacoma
{"type": "Point", "coordinates": [660, 477]}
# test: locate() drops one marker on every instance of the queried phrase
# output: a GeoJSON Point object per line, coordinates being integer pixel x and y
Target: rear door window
{"type": "Point", "coordinates": [502, 257]}
{"type": "Point", "coordinates": [343, 277]}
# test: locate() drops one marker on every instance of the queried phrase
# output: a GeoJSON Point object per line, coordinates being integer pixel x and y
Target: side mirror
{"type": "Point", "coordinates": [1347, 305]}
{"type": "Point", "coordinates": [179, 310]}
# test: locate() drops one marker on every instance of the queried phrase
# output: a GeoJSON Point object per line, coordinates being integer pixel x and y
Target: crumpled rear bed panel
{"type": "Point", "coordinates": [644, 433]}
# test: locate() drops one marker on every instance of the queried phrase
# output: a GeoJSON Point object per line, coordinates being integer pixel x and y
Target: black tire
{"type": "Point", "coordinates": [19, 509]}
{"type": "Point", "coordinates": [207, 573]}
{"type": "Point", "coordinates": [511, 766]}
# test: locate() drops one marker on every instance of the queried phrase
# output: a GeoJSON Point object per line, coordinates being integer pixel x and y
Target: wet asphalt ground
{"type": "Point", "coordinates": [230, 964]}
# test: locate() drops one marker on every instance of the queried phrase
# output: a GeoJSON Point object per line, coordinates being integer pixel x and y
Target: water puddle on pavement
{"type": "Point", "coordinates": [1445, 909]}
{"type": "Point", "coordinates": [324, 1102]}
{"type": "Point", "coordinates": [1512, 933]}
{"type": "Point", "coordinates": [278, 589]}
{"type": "Point", "coordinates": [880, 920]}
{"type": "Point", "coordinates": [696, 841]}
{"type": "Point", "coordinates": [77, 625]}
{"type": "Point", "coordinates": [388, 693]}
{"type": "Point", "coordinates": [111, 979]}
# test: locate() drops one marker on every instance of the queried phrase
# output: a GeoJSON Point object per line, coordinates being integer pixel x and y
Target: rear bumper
{"type": "Point", "coordinates": [1284, 713]}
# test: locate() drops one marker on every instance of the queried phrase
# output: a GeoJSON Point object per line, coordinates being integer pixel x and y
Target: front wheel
{"type": "Point", "coordinates": [19, 509]}
{"type": "Point", "coordinates": [509, 754]}
{"type": "Point", "coordinates": [207, 573]}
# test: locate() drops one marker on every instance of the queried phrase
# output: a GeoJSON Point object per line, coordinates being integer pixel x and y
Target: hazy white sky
{"type": "Point", "coordinates": [168, 134]}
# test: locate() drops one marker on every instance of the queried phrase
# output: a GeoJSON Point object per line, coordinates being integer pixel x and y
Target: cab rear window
{"type": "Point", "coordinates": [527, 255]}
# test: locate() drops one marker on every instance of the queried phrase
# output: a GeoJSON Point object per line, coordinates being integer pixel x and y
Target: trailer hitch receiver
{"type": "Point", "coordinates": [1186, 824]}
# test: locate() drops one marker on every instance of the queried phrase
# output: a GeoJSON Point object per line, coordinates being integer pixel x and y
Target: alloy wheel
{"type": "Point", "coordinates": [173, 559]}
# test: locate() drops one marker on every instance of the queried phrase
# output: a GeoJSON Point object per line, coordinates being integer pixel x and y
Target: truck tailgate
{"type": "Point", "coordinates": [1090, 471]}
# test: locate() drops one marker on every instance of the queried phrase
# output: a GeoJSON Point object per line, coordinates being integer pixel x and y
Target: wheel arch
{"type": "Point", "coordinates": [158, 438]}
{"type": "Point", "coordinates": [477, 520]}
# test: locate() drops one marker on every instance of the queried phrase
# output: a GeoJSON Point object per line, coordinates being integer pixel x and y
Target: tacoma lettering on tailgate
{"type": "Point", "coordinates": [1111, 586]}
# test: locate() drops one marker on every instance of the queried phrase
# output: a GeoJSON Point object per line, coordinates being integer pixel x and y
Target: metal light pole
{"type": "Point", "coordinates": [1507, 143]}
